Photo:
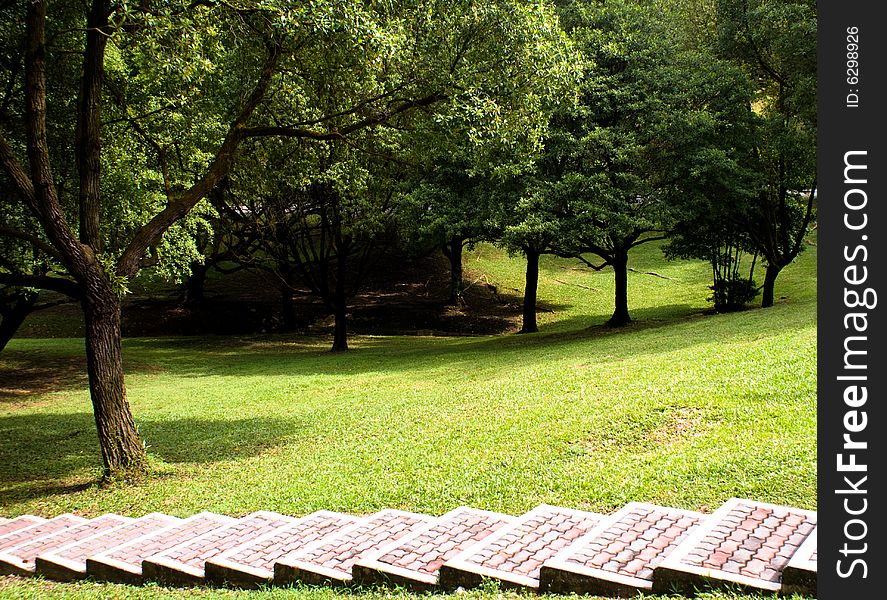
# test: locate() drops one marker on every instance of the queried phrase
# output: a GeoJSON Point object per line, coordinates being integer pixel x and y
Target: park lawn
{"type": "Point", "coordinates": [682, 408]}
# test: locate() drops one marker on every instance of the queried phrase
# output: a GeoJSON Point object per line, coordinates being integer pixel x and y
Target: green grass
{"type": "Point", "coordinates": [39, 588]}
{"type": "Point", "coordinates": [682, 408]}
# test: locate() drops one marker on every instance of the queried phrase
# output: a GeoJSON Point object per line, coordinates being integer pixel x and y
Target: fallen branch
{"type": "Point", "coordinates": [579, 285]}
{"type": "Point", "coordinates": [651, 273]}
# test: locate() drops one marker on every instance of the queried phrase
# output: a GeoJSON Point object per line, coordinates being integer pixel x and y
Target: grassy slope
{"type": "Point", "coordinates": [682, 409]}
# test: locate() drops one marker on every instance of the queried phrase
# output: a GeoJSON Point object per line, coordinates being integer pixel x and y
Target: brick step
{"type": "Point", "coordinates": [19, 560]}
{"type": "Point", "coordinates": [641, 548]}
{"type": "Point", "coordinates": [743, 543]}
{"type": "Point", "coordinates": [40, 529]}
{"type": "Point", "coordinates": [123, 564]}
{"type": "Point", "coordinates": [799, 575]}
{"type": "Point", "coordinates": [252, 564]}
{"type": "Point", "coordinates": [329, 560]}
{"type": "Point", "coordinates": [184, 563]}
{"type": "Point", "coordinates": [8, 526]}
{"type": "Point", "coordinates": [514, 554]}
{"type": "Point", "coordinates": [68, 563]}
{"type": "Point", "coordinates": [414, 560]}
{"type": "Point", "coordinates": [618, 556]}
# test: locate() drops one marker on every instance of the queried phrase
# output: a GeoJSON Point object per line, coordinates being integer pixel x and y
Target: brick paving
{"type": "Point", "coordinates": [69, 562]}
{"type": "Point", "coordinates": [184, 564]}
{"type": "Point", "coordinates": [329, 561]}
{"type": "Point", "coordinates": [641, 548]}
{"type": "Point", "coordinates": [252, 564]}
{"type": "Point", "coordinates": [618, 556]}
{"type": "Point", "coordinates": [415, 560]}
{"type": "Point", "coordinates": [9, 526]}
{"type": "Point", "coordinates": [743, 543]}
{"type": "Point", "coordinates": [123, 564]}
{"type": "Point", "coordinates": [19, 560]}
{"type": "Point", "coordinates": [515, 553]}
{"type": "Point", "coordinates": [40, 529]}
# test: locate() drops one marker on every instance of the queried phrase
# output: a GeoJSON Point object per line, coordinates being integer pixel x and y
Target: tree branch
{"type": "Point", "coordinates": [149, 234]}
{"type": "Point", "coordinates": [33, 240]}
{"type": "Point", "coordinates": [337, 134]}
{"type": "Point", "coordinates": [43, 282]}
{"type": "Point", "coordinates": [16, 172]}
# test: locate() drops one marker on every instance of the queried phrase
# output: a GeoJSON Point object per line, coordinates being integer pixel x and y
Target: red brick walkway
{"type": "Point", "coordinates": [639, 548]}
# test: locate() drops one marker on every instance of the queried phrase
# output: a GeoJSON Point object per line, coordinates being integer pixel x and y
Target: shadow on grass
{"type": "Point", "coordinates": [663, 329]}
{"type": "Point", "coordinates": [25, 373]}
{"type": "Point", "coordinates": [39, 452]}
{"type": "Point", "coordinates": [655, 330]}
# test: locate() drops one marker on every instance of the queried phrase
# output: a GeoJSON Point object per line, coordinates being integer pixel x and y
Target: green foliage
{"type": "Point", "coordinates": [775, 42]}
{"type": "Point", "coordinates": [733, 293]}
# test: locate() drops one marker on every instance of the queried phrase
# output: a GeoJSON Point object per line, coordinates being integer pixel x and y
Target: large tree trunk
{"type": "Point", "coordinates": [195, 283]}
{"type": "Point", "coordinates": [769, 285]}
{"type": "Point", "coordinates": [532, 285]}
{"type": "Point", "coordinates": [12, 316]}
{"type": "Point", "coordinates": [620, 316]}
{"type": "Point", "coordinates": [123, 452]}
{"type": "Point", "coordinates": [453, 251]}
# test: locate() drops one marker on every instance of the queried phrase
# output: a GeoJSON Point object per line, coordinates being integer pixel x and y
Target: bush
{"type": "Point", "coordinates": [733, 294]}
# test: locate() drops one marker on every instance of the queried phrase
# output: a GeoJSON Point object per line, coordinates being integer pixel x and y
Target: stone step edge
{"type": "Point", "coordinates": [799, 575]}
{"type": "Point", "coordinates": [671, 572]}
{"type": "Point", "coordinates": [458, 568]}
{"type": "Point", "coordinates": [222, 569]}
{"type": "Point", "coordinates": [165, 570]}
{"type": "Point", "coordinates": [615, 583]}
{"type": "Point", "coordinates": [30, 528]}
{"type": "Point", "coordinates": [102, 567]}
{"type": "Point", "coordinates": [12, 564]}
{"type": "Point", "coordinates": [742, 581]}
{"type": "Point", "coordinates": [368, 570]}
{"type": "Point", "coordinates": [292, 569]}
{"type": "Point", "coordinates": [60, 568]}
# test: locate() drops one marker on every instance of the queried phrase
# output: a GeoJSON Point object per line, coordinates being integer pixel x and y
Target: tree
{"type": "Point", "coordinates": [449, 207]}
{"type": "Point", "coordinates": [708, 231]}
{"type": "Point", "coordinates": [527, 222]}
{"type": "Point", "coordinates": [618, 163]}
{"type": "Point", "coordinates": [24, 258]}
{"type": "Point", "coordinates": [776, 44]}
{"type": "Point", "coordinates": [182, 86]}
{"type": "Point", "coordinates": [323, 222]}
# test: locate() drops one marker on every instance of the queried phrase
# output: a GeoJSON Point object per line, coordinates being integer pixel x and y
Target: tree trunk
{"type": "Point", "coordinates": [287, 304]}
{"type": "Point", "coordinates": [14, 315]}
{"type": "Point", "coordinates": [123, 452]}
{"type": "Point", "coordinates": [620, 316]}
{"type": "Point", "coordinates": [195, 283]}
{"type": "Point", "coordinates": [287, 308]}
{"type": "Point", "coordinates": [532, 285]}
{"type": "Point", "coordinates": [340, 300]}
{"type": "Point", "coordinates": [453, 251]}
{"type": "Point", "coordinates": [769, 285]}
{"type": "Point", "coordinates": [340, 331]}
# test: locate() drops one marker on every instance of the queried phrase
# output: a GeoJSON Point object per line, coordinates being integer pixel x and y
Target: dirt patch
{"type": "Point", "coordinates": [679, 425]}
